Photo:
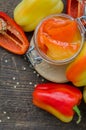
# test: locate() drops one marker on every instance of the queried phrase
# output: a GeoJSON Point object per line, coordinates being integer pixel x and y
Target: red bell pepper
{"type": "Point", "coordinates": [75, 8]}
{"type": "Point", "coordinates": [12, 36]}
{"type": "Point", "coordinates": [61, 100]}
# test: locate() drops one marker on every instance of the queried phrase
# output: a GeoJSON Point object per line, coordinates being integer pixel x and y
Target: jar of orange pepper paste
{"type": "Point", "coordinates": [56, 42]}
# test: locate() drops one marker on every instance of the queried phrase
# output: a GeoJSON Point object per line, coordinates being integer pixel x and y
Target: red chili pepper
{"type": "Point", "coordinates": [75, 8]}
{"type": "Point", "coordinates": [61, 100]}
{"type": "Point", "coordinates": [12, 37]}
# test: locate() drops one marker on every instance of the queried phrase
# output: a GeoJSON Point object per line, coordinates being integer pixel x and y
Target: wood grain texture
{"type": "Point", "coordinates": [17, 81]}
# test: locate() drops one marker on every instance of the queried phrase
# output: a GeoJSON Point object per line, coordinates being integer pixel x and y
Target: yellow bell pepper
{"type": "Point", "coordinates": [28, 13]}
{"type": "Point", "coordinates": [84, 94]}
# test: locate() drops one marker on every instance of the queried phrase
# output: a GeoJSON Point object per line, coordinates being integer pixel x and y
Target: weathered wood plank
{"type": "Point", "coordinates": [17, 81]}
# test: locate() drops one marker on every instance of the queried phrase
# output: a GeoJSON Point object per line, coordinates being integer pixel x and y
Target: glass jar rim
{"type": "Point", "coordinates": [44, 56]}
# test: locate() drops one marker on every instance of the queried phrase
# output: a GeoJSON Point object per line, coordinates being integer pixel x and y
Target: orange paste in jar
{"type": "Point", "coordinates": [58, 37]}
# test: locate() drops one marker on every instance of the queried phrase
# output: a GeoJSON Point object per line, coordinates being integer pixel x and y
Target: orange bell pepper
{"type": "Point", "coordinates": [76, 71]}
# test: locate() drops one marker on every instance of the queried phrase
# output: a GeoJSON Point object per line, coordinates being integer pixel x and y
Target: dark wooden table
{"type": "Point", "coordinates": [17, 81]}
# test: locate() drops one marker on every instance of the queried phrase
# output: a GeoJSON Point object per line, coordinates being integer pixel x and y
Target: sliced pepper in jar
{"type": "Point", "coordinates": [58, 37]}
{"type": "Point", "coordinates": [12, 37]}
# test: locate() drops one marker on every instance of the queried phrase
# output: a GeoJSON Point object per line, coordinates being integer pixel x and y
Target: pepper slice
{"type": "Point", "coordinates": [75, 8]}
{"type": "Point", "coordinates": [61, 100]}
{"type": "Point", "coordinates": [54, 37]}
{"type": "Point", "coordinates": [12, 37]}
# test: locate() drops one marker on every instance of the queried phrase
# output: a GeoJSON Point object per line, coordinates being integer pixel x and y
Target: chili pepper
{"type": "Point", "coordinates": [12, 37]}
{"type": "Point", "coordinates": [75, 8]}
{"type": "Point", "coordinates": [28, 13]}
{"type": "Point", "coordinates": [61, 100]}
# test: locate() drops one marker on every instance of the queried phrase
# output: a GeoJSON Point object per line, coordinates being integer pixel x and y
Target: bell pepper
{"type": "Point", "coordinates": [84, 94]}
{"type": "Point", "coordinates": [12, 37]}
{"type": "Point", "coordinates": [75, 8]}
{"type": "Point", "coordinates": [76, 71]}
{"type": "Point", "coordinates": [28, 13]}
{"type": "Point", "coordinates": [61, 100]}
{"type": "Point", "coordinates": [54, 39]}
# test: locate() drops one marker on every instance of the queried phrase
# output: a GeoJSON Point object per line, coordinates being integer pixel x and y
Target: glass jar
{"type": "Point", "coordinates": [38, 56]}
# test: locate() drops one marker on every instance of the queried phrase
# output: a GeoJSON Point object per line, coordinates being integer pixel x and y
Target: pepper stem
{"type": "Point", "coordinates": [76, 109]}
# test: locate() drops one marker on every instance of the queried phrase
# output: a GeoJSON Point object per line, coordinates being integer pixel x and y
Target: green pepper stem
{"type": "Point", "coordinates": [76, 109]}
